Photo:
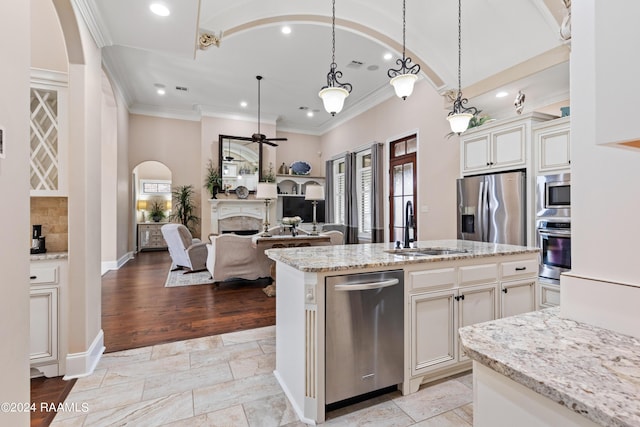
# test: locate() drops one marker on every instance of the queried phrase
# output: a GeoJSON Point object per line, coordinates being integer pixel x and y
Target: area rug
{"type": "Point", "coordinates": [179, 278]}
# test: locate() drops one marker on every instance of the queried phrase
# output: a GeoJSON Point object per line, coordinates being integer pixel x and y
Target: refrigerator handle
{"type": "Point", "coordinates": [481, 212]}
{"type": "Point", "coordinates": [484, 209]}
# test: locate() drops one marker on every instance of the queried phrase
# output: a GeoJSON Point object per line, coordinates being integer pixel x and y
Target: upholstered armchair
{"type": "Point", "coordinates": [231, 256]}
{"type": "Point", "coordinates": [185, 251]}
{"type": "Point", "coordinates": [336, 237]}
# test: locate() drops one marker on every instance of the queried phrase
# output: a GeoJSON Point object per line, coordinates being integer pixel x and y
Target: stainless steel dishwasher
{"type": "Point", "coordinates": [363, 333]}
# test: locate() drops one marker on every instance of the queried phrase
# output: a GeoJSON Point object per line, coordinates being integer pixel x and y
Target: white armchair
{"type": "Point", "coordinates": [231, 256]}
{"type": "Point", "coordinates": [185, 251]}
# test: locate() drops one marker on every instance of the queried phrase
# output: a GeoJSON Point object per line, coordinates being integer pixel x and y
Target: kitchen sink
{"type": "Point", "coordinates": [426, 251]}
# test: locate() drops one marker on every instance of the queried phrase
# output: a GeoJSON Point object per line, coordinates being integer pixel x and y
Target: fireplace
{"type": "Point", "coordinates": [238, 215]}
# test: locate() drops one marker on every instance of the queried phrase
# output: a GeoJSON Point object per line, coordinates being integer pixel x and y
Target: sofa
{"type": "Point", "coordinates": [185, 251]}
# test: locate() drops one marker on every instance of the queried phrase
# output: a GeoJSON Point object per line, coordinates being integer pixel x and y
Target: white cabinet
{"type": "Point", "coordinates": [47, 316]}
{"type": "Point", "coordinates": [548, 295]}
{"type": "Point", "coordinates": [442, 300]}
{"type": "Point", "coordinates": [518, 297]}
{"type": "Point", "coordinates": [296, 184]}
{"type": "Point", "coordinates": [44, 325]}
{"type": "Point", "coordinates": [553, 145]}
{"type": "Point", "coordinates": [48, 135]}
{"type": "Point", "coordinates": [499, 146]}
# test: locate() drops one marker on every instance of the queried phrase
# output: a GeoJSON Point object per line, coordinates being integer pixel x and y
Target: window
{"type": "Point", "coordinates": [338, 191]}
{"type": "Point", "coordinates": [155, 186]}
{"type": "Point", "coordinates": [363, 174]}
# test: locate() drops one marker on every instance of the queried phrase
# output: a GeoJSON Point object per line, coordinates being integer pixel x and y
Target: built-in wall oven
{"type": "Point", "coordinates": [554, 240]}
{"type": "Point", "coordinates": [553, 224]}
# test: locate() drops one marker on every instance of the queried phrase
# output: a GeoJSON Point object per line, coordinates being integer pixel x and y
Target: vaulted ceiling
{"type": "Point", "coordinates": [506, 45]}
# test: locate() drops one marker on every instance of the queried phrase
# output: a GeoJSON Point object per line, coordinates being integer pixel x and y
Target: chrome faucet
{"type": "Point", "coordinates": [408, 224]}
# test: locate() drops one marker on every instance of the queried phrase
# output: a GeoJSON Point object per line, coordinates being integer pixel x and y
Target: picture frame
{"type": "Point", "coordinates": [3, 153]}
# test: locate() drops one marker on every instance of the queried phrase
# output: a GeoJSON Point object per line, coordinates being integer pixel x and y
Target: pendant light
{"type": "Point", "coordinates": [460, 116]}
{"type": "Point", "coordinates": [404, 77]}
{"type": "Point", "coordinates": [335, 92]}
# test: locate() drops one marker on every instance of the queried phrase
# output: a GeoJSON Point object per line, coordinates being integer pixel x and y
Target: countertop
{"type": "Point", "coordinates": [592, 371]}
{"type": "Point", "coordinates": [47, 256]}
{"type": "Point", "coordinates": [345, 257]}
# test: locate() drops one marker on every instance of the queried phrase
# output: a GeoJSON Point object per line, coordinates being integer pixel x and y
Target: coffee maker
{"type": "Point", "coordinates": [37, 240]}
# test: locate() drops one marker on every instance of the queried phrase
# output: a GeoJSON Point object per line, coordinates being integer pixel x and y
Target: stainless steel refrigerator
{"type": "Point", "coordinates": [491, 208]}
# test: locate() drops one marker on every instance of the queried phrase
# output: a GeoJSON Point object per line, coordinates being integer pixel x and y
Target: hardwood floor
{"type": "Point", "coordinates": [138, 311]}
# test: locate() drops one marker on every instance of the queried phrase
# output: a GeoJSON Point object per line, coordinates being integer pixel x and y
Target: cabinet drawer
{"type": "Point", "coordinates": [44, 275]}
{"type": "Point", "coordinates": [440, 279]}
{"type": "Point", "coordinates": [479, 274]}
{"type": "Point", "coordinates": [527, 267]}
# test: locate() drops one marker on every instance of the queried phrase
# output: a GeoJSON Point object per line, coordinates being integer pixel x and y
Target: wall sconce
{"type": "Point", "coordinates": [314, 193]}
{"type": "Point", "coordinates": [266, 191]}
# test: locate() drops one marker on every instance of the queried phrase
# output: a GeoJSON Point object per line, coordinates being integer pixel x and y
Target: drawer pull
{"type": "Point", "coordinates": [33, 277]}
{"type": "Point", "coordinates": [521, 268]}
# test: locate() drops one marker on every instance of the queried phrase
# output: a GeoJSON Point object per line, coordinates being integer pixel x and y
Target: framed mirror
{"type": "Point", "coordinates": [240, 162]}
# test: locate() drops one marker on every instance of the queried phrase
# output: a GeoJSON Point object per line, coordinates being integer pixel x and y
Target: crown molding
{"type": "Point", "coordinates": [91, 16]}
{"type": "Point", "coordinates": [153, 111]}
{"type": "Point", "coordinates": [49, 77]}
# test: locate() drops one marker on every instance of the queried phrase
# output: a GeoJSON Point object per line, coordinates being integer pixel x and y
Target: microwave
{"type": "Point", "coordinates": [553, 196]}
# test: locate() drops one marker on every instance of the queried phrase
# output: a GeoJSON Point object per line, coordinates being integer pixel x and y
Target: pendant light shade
{"type": "Point", "coordinates": [335, 92]}
{"type": "Point", "coordinates": [333, 99]}
{"type": "Point", "coordinates": [403, 78]}
{"type": "Point", "coordinates": [460, 116]}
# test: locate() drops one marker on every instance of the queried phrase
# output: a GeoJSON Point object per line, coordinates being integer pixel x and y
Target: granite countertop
{"type": "Point", "coordinates": [345, 257]}
{"type": "Point", "coordinates": [49, 256]}
{"type": "Point", "coordinates": [592, 371]}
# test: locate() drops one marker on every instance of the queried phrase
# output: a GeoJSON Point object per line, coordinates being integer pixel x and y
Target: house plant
{"type": "Point", "coordinates": [269, 175]}
{"type": "Point", "coordinates": [184, 207]}
{"type": "Point", "coordinates": [212, 179]}
{"type": "Point", "coordinates": [156, 213]}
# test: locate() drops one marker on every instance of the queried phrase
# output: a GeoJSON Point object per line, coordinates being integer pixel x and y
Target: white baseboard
{"type": "Point", "coordinates": [83, 364]}
{"type": "Point", "coordinates": [115, 265]}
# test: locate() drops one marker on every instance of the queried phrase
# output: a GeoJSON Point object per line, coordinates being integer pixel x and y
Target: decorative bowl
{"type": "Point", "coordinates": [300, 168]}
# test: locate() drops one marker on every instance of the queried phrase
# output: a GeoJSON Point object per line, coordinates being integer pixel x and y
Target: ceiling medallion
{"type": "Point", "coordinates": [206, 39]}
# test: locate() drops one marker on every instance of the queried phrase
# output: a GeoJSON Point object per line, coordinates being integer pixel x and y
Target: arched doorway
{"type": "Point", "coordinates": [151, 190]}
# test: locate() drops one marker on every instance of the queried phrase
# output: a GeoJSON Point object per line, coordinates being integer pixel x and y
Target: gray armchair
{"type": "Point", "coordinates": [186, 252]}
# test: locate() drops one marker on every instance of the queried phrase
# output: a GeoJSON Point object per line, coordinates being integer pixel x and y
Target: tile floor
{"type": "Point", "coordinates": [227, 380]}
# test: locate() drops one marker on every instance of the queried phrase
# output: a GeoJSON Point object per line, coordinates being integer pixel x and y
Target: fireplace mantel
{"type": "Point", "coordinates": [230, 208]}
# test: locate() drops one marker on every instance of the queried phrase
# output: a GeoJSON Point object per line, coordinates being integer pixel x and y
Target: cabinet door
{"type": "Point", "coordinates": [433, 331]}
{"type": "Point", "coordinates": [477, 304]}
{"type": "Point", "coordinates": [509, 147]}
{"type": "Point", "coordinates": [554, 149]}
{"type": "Point", "coordinates": [44, 325]}
{"type": "Point", "coordinates": [549, 295]}
{"type": "Point", "coordinates": [476, 153]}
{"type": "Point", "coordinates": [518, 297]}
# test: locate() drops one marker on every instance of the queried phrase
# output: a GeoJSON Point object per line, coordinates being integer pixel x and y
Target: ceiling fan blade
{"type": "Point", "coordinates": [266, 141]}
{"type": "Point", "coordinates": [276, 139]}
{"type": "Point", "coordinates": [243, 138]}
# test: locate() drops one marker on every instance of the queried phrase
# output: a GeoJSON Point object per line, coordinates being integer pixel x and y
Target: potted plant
{"type": "Point", "coordinates": [156, 213]}
{"type": "Point", "coordinates": [269, 175]}
{"type": "Point", "coordinates": [212, 179]}
{"type": "Point", "coordinates": [184, 207]}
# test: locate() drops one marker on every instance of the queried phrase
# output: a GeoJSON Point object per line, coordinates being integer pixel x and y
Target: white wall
{"type": "Point", "coordinates": [438, 157]}
{"type": "Point", "coordinates": [605, 195]}
{"type": "Point", "coordinates": [14, 187]}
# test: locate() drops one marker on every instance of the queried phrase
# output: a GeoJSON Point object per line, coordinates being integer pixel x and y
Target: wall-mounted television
{"type": "Point", "coordinates": [298, 206]}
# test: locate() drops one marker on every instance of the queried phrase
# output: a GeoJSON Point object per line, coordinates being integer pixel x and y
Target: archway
{"type": "Point", "coordinates": [151, 190]}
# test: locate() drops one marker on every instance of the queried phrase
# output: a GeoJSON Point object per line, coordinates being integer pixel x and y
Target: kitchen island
{"type": "Point", "coordinates": [539, 369]}
{"type": "Point", "coordinates": [455, 283]}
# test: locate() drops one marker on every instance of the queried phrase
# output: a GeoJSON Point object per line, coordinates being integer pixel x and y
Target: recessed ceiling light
{"type": "Point", "coordinates": [286, 29]}
{"type": "Point", "coordinates": [387, 56]}
{"type": "Point", "coordinates": [309, 113]}
{"type": "Point", "coordinates": [243, 104]}
{"type": "Point", "coordinates": [501, 94]}
{"type": "Point", "coordinates": [160, 91]}
{"type": "Point", "coordinates": [159, 9]}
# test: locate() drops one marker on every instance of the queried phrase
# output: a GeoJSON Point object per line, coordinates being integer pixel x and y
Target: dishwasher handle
{"type": "Point", "coordinates": [366, 286]}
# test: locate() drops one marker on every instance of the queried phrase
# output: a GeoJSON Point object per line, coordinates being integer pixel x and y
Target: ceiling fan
{"type": "Point", "coordinates": [259, 137]}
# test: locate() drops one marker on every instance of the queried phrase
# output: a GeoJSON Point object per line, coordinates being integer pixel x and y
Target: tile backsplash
{"type": "Point", "coordinates": [51, 213]}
